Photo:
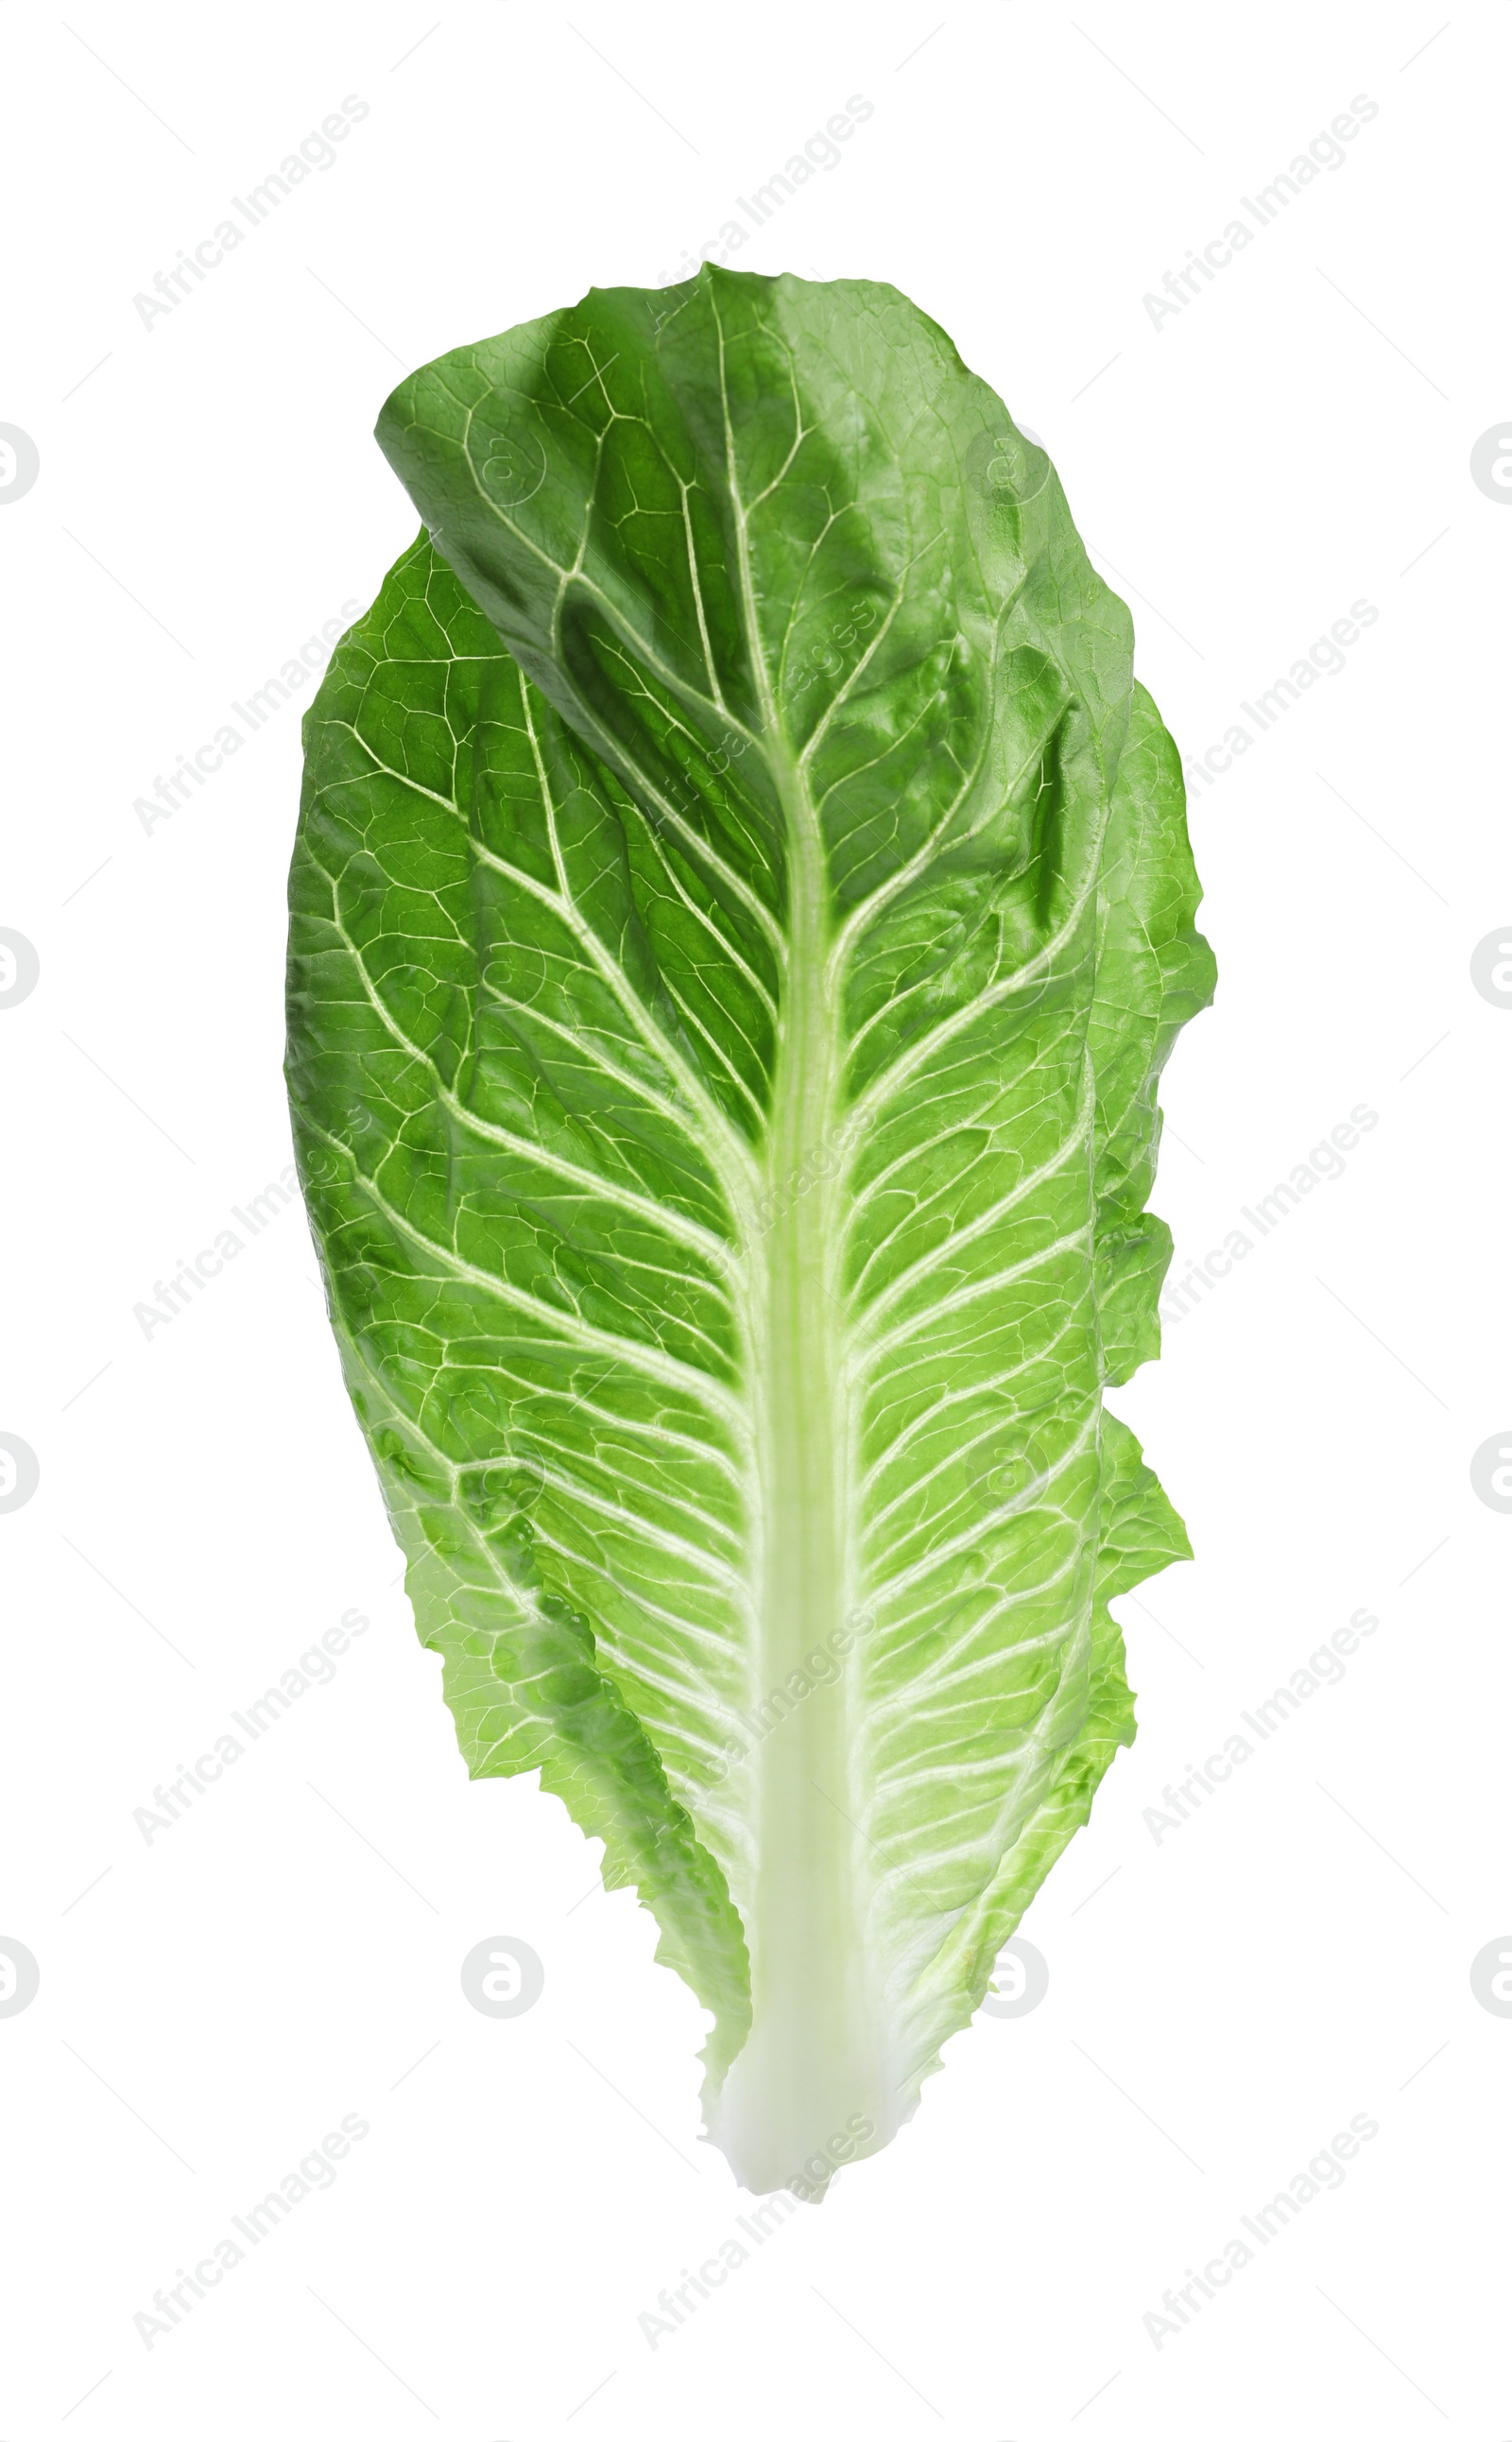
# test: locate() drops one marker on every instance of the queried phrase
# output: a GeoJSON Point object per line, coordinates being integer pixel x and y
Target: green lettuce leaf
{"type": "Point", "coordinates": [740, 909]}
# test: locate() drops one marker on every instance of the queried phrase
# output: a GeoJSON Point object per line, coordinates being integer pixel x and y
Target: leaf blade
{"type": "Point", "coordinates": [799, 956]}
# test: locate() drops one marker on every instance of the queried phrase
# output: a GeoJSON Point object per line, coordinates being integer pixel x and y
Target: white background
{"type": "Point", "coordinates": [1296, 439]}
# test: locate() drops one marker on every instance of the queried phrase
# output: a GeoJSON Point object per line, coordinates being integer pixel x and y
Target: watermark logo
{"type": "Point", "coordinates": [19, 968]}
{"type": "Point", "coordinates": [19, 463]}
{"type": "Point", "coordinates": [514, 469]}
{"type": "Point", "coordinates": [1491, 1977]}
{"type": "Point", "coordinates": [20, 1473]}
{"type": "Point", "coordinates": [1490, 967]}
{"type": "Point", "coordinates": [1009, 468]}
{"type": "Point", "coordinates": [1490, 1472]}
{"type": "Point", "coordinates": [1491, 462]}
{"type": "Point", "coordinates": [1020, 1981]}
{"type": "Point", "coordinates": [503, 1493]}
{"type": "Point", "coordinates": [19, 1976]}
{"type": "Point", "coordinates": [503, 1977]}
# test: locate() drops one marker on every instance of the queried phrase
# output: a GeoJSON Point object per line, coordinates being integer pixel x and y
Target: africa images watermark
{"type": "Point", "coordinates": [316, 2170]}
{"type": "Point", "coordinates": [194, 1276]}
{"type": "Point", "coordinates": [1324, 658]}
{"type": "Point", "coordinates": [1325, 1162]}
{"type": "Point", "coordinates": [192, 770]}
{"type": "Point", "coordinates": [1325, 2170]}
{"type": "Point", "coordinates": [759, 2225]}
{"type": "Point", "coordinates": [316, 152]}
{"type": "Point", "coordinates": [1325, 152]}
{"type": "Point", "coordinates": [821, 153]}
{"type": "Point", "coordinates": [1323, 1667]}
{"type": "Point", "coordinates": [821, 1668]}
{"type": "Point", "coordinates": [315, 1668]}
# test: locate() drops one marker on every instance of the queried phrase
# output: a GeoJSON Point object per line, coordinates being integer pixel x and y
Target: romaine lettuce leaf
{"type": "Point", "coordinates": [740, 909]}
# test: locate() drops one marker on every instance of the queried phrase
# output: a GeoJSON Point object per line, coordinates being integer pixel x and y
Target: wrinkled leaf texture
{"type": "Point", "coordinates": [741, 910]}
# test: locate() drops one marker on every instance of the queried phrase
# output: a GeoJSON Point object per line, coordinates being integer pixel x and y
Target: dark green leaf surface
{"type": "Point", "coordinates": [741, 908]}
